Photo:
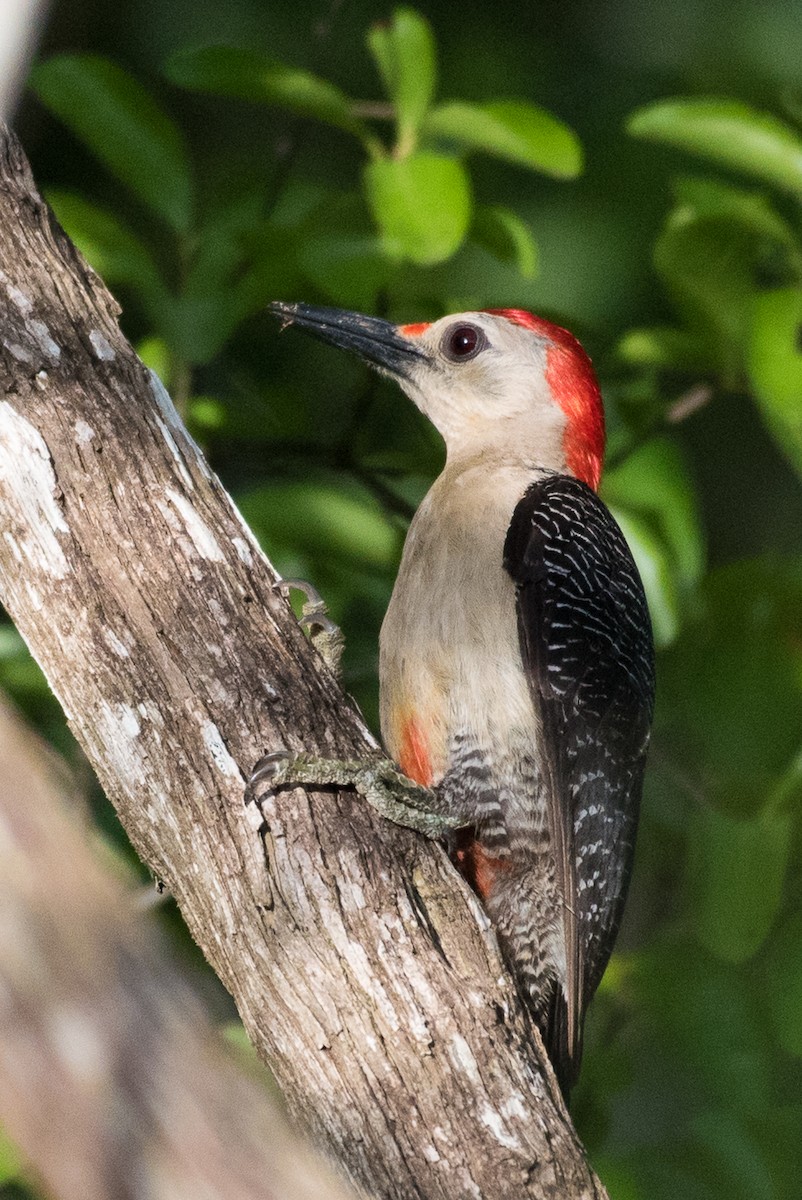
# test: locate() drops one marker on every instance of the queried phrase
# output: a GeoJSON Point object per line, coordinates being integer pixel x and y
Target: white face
{"type": "Point", "coordinates": [484, 386]}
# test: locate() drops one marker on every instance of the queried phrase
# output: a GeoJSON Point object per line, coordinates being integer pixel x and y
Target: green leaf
{"type": "Point", "coordinates": [729, 133]}
{"type": "Point", "coordinates": [784, 985]}
{"type": "Point", "coordinates": [775, 367]}
{"type": "Point", "coordinates": [730, 694]}
{"type": "Point", "coordinates": [712, 198]}
{"type": "Point", "coordinates": [504, 235]}
{"type": "Point", "coordinates": [122, 124]}
{"type": "Point", "coordinates": [709, 265]}
{"type": "Point", "coordinates": [654, 563]}
{"type": "Point", "coordinates": [655, 483]}
{"type": "Point", "coordinates": [738, 869]}
{"type": "Point", "coordinates": [10, 1165]}
{"type": "Point", "coordinates": [511, 129]}
{"type": "Point", "coordinates": [107, 244]}
{"type": "Point", "coordinates": [422, 204]}
{"type": "Point", "coordinates": [250, 75]}
{"type": "Point", "coordinates": [729, 1158]}
{"type": "Point", "coordinates": [665, 348]}
{"type": "Point", "coordinates": [319, 518]}
{"type": "Point", "coordinates": [404, 51]}
{"type": "Point", "coordinates": [196, 327]}
{"type": "Point", "coordinates": [155, 354]}
{"type": "Point", "coordinates": [349, 269]}
{"type": "Point", "coordinates": [221, 245]}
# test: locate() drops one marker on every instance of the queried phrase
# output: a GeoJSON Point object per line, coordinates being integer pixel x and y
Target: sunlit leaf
{"type": "Point", "coordinates": [9, 1161]}
{"type": "Point", "coordinates": [155, 354]}
{"type": "Point", "coordinates": [738, 868]}
{"type": "Point", "coordinates": [511, 129]}
{"type": "Point", "coordinates": [422, 204]}
{"type": "Point", "coordinates": [729, 133]}
{"type": "Point", "coordinates": [504, 235]}
{"type": "Point", "coordinates": [775, 367]}
{"type": "Point", "coordinates": [123, 125]}
{"type": "Point", "coordinates": [206, 414]}
{"type": "Point", "coordinates": [404, 51]}
{"type": "Point", "coordinates": [250, 75]}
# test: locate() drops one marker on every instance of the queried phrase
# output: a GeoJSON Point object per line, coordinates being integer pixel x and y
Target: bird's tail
{"type": "Point", "coordinates": [530, 933]}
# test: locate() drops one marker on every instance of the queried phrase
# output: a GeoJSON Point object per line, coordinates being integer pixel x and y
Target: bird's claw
{"type": "Point", "coordinates": [268, 770]}
{"type": "Point", "coordinates": [325, 635]}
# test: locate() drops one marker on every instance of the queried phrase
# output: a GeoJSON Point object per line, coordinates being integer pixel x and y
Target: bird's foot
{"type": "Point", "coordinates": [325, 636]}
{"type": "Point", "coordinates": [392, 794]}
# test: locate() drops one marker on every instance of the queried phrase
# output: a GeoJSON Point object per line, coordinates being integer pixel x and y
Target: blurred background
{"type": "Point", "coordinates": [632, 170]}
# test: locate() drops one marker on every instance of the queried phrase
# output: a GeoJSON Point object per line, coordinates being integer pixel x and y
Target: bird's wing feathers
{"type": "Point", "coordinates": [587, 649]}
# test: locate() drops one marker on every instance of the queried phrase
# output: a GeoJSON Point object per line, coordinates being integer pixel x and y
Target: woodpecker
{"type": "Point", "coordinates": [516, 656]}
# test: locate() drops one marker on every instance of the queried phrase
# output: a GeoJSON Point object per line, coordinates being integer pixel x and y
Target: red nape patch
{"type": "Point", "coordinates": [413, 758]}
{"type": "Point", "coordinates": [414, 330]}
{"type": "Point", "coordinates": [475, 864]}
{"type": "Point", "coordinates": [570, 375]}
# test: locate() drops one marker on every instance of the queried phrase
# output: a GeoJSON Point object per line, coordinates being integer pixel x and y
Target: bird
{"type": "Point", "coordinates": [516, 661]}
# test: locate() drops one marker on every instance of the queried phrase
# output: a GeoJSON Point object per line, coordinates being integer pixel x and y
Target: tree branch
{"type": "Point", "coordinates": [361, 964]}
{"type": "Point", "coordinates": [111, 1080]}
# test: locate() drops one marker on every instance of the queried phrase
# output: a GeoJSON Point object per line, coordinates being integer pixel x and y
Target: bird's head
{"type": "Point", "coordinates": [500, 380]}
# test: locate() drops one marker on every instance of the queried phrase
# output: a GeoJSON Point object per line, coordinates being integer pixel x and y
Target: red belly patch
{"type": "Point", "coordinates": [481, 868]}
{"type": "Point", "coordinates": [413, 757]}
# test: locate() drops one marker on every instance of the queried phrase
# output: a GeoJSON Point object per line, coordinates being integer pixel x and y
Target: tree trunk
{"type": "Point", "coordinates": [361, 964]}
{"type": "Point", "coordinates": [111, 1080]}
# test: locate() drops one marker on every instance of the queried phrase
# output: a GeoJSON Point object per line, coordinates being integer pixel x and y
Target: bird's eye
{"type": "Point", "coordinates": [462, 342]}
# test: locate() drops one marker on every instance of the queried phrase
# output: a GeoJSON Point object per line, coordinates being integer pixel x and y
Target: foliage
{"type": "Point", "coordinates": [730, 259]}
{"type": "Point", "coordinates": [237, 176]}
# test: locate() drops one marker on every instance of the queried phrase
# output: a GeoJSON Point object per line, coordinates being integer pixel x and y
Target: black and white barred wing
{"type": "Point", "coordinates": [587, 648]}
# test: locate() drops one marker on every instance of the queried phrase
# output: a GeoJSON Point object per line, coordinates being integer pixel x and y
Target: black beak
{"type": "Point", "coordinates": [376, 341]}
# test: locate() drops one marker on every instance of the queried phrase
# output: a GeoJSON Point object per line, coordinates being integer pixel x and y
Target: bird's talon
{"type": "Point", "coordinates": [317, 620]}
{"type": "Point", "coordinates": [325, 635]}
{"type": "Point", "coordinates": [313, 596]}
{"type": "Point", "coordinates": [268, 769]}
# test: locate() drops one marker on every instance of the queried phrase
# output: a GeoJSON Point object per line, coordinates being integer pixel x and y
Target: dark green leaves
{"type": "Point", "coordinates": [249, 75]}
{"type": "Point", "coordinates": [731, 261]}
{"type": "Point", "coordinates": [733, 685]}
{"type": "Point", "coordinates": [417, 190]}
{"type": "Point", "coordinates": [784, 986]}
{"type": "Point", "coordinates": [719, 244]}
{"type": "Point", "coordinates": [112, 249]}
{"type": "Point", "coordinates": [121, 122]}
{"type": "Point", "coordinates": [319, 516]}
{"type": "Point", "coordinates": [504, 235]}
{"type": "Point", "coordinates": [729, 133]}
{"type": "Point", "coordinates": [738, 868]}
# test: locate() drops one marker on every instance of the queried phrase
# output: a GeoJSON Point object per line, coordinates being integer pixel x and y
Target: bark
{"type": "Point", "coordinates": [111, 1080]}
{"type": "Point", "coordinates": [362, 966]}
